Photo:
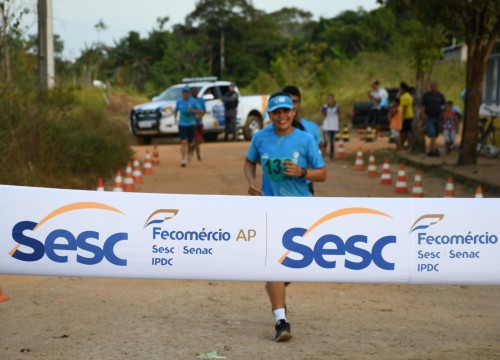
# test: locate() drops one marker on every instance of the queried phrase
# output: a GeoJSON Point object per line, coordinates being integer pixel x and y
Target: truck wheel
{"type": "Point", "coordinates": [144, 140]}
{"type": "Point", "coordinates": [210, 137]}
{"type": "Point", "coordinates": [253, 124]}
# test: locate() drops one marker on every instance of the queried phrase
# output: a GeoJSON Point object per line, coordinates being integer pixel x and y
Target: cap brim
{"type": "Point", "coordinates": [279, 106]}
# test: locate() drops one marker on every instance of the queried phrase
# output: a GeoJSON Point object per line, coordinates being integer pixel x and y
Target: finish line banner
{"type": "Point", "coordinates": [202, 237]}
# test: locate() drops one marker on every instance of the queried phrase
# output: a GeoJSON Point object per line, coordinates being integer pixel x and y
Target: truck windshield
{"type": "Point", "coordinates": [173, 93]}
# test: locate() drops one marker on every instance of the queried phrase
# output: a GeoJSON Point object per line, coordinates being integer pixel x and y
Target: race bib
{"type": "Point", "coordinates": [275, 168]}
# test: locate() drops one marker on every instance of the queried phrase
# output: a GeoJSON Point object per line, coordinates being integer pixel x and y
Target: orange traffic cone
{"type": "Point", "coordinates": [128, 183]}
{"type": "Point", "coordinates": [3, 298]}
{"type": "Point", "coordinates": [148, 166]}
{"type": "Point", "coordinates": [118, 182]}
{"type": "Point", "coordinates": [401, 184]}
{"type": "Point", "coordinates": [100, 185]}
{"type": "Point", "coordinates": [341, 149]}
{"type": "Point", "coordinates": [372, 167]}
{"type": "Point", "coordinates": [136, 171]}
{"type": "Point", "coordinates": [156, 156]}
{"type": "Point", "coordinates": [479, 192]}
{"type": "Point", "coordinates": [449, 190]}
{"type": "Point", "coordinates": [385, 178]}
{"type": "Point", "coordinates": [359, 163]}
{"type": "Point", "coordinates": [417, 190]}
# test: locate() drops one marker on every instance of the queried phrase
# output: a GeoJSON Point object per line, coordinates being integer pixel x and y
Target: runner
{"type": "Point", "coordinates": [188, 108]}
{"type": "Point", "coordinates": [309, 126]}
{"type": "Point", "coordinates": [289, 158]}
{"type": "Point", "coordinates": [301, 123]}
{"type": "Point", "coordinates": [198, 130]}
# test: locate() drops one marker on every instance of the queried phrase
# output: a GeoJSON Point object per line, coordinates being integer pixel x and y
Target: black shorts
{"type": "Point", "coordinates": [186, 133]}
{"type": "Point", "coordinates": [407, 125]}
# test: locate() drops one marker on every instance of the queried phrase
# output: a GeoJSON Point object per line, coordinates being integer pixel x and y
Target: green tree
{"type": "Point", "coordinates": [11, 13]}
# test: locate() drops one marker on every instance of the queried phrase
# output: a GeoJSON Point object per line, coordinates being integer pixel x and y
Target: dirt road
{"type": "Point", "coordinates": [89, 318]}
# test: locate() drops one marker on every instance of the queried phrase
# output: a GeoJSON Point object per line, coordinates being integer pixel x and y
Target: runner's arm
{"type": "Point", "coordinates": [250, 170]}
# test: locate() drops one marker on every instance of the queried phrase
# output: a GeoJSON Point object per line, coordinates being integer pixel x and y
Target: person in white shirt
{"type": "Point", "coordinates": [377, 96]}
{"type": "Point", "coordinates": [331, 119]}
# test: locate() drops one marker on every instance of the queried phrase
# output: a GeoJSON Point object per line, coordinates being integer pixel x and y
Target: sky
{"type": "Point", "coordinates": [75, 20]}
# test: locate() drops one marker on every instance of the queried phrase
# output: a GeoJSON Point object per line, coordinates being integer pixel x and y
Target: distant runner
{"type": "Point", "coordinates": [188, 107]}
{"type": "Point", "coordinates": [198, 130]}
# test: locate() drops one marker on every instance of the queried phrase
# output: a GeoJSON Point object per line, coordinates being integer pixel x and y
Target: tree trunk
{"type": "Point", "coordinates": [477, 57]}
{"type": "Point", "coordinates": [418, 145]}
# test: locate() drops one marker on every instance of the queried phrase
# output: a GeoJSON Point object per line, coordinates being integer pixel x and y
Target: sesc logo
{"type": "Point", "coordinates": [331, 248]}
{"type": "Point", "coordinates": [59, 242]}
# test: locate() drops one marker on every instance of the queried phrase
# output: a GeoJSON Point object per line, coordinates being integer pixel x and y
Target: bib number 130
{"type": "Point", "coordinates": [275, 168]}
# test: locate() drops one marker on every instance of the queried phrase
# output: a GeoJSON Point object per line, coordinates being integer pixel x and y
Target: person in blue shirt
{"type": "Point", "coordinates": [289, 159]}
{"type": "Point", "coordinates": [309, 126]}
{"type": "Point", "coordinates": [188, 109]}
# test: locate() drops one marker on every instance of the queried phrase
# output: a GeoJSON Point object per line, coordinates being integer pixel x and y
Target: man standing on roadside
{"type": "Point", "coordinates": [230, 100]}
{"type": "Point", "coordinates": [188, 107]}
{"type": "Point", "coordinates": [376, 95]}
{"type": "Point", "coordinates": [406, 103]}
{"type": "Point", "coordinates": [433, 103]}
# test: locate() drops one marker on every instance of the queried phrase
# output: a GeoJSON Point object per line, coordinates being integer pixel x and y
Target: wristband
{"type": "Point", "coordinates": [304, 173]}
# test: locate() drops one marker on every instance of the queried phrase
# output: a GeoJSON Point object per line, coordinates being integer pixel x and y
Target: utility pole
{"type": "Point", "coordinates": [222, 53]}
{"type": "Point", "coordinates": [46, 69]}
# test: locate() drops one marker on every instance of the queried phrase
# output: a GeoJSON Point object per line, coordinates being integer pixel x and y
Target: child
{"type": "Point", "coordinates": [331, 117]}
{"type": "Point", "coordinates": [450, 126]}
{"type": "Point", "coordinates": [395, 117]}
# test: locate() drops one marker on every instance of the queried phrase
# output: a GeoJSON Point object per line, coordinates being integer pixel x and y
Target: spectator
{"type": "Point", "coordinates": [450, 126]}
{"type": "Point", "coordinates": [230, 100]}
{"type": "Point", "coordinates": [433, 103]}
{"type": "Point", "coordinates": [406, 103]}
{"type": "Point", "coordinates": [377, 96]}
{"type": "Point", "coordinates": [331, 119]}
{"type": "Point", "coordinates": [395, 118]}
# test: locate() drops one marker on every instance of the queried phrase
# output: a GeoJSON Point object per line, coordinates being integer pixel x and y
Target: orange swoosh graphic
{"type": "Point", "coordinates": [76, 206]}
{"type": "Point", "coordinates": [159, 211]}
{"type": "Point", "coordinates": [346, 211]}
{"type": "Point", "coordinates": [429, 216]}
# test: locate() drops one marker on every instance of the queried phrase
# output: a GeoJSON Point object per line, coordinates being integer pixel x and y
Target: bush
{"type": "Point", "coordinates": [62, 138]}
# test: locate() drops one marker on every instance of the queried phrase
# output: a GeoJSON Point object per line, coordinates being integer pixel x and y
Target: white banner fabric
{"type": "Point", "coordinates": [205, 237]}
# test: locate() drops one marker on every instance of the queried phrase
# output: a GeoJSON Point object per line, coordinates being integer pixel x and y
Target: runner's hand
{"type": "Point", "coordinates": [292, 169]}
{"type": "Point", "coordinates": [254, 190]}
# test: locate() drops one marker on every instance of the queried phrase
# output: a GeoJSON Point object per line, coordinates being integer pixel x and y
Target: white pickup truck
{"type": "Point", "coordinates": [156, 118]}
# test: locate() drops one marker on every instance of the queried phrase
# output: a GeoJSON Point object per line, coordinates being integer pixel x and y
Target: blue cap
{"type": "Point", "coordinates": [279, 102]}
{"type": "Point", "coordinates": [186, 88]}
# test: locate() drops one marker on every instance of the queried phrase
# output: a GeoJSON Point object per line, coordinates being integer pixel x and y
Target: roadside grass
{"type": "Point", "coordinates": [63, 138]}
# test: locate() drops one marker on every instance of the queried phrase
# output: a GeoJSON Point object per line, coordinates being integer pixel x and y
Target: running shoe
{"type": "Point", "coordinates": [283, 332]}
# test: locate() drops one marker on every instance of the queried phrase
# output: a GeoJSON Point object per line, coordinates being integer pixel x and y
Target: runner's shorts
{"type": "Point", "coordinates": [186, 133]}
{"type": "Point", "coordinates": [198, 132]}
